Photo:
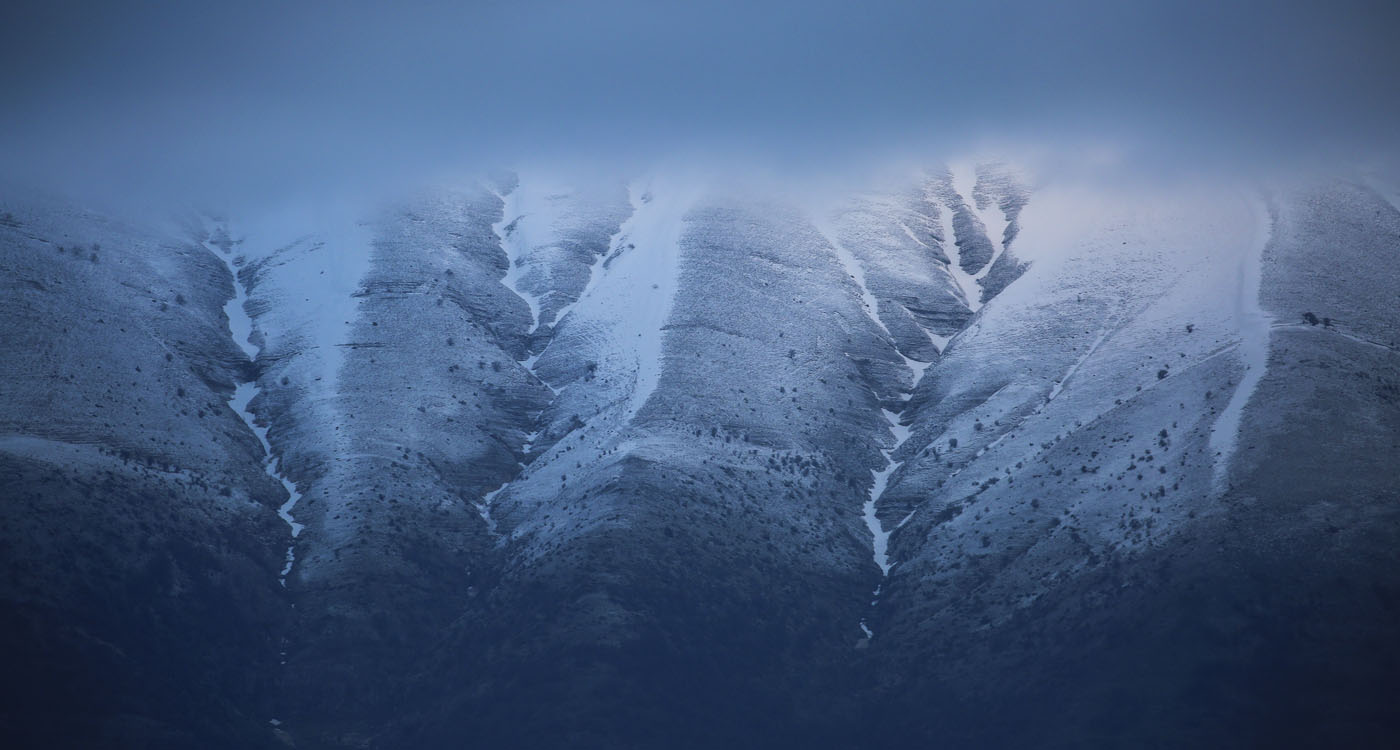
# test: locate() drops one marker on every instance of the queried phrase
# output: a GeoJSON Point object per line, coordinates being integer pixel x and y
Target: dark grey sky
{"type": "Point", "coordinates": [184, 96]}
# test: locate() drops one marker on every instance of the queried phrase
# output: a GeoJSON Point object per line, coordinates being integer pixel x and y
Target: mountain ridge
{"type": "Point", "coordinates": [582, 464]}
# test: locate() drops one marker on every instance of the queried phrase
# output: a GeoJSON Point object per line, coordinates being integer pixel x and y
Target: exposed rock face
{"type": "Point", "coordinates": [600, 465]}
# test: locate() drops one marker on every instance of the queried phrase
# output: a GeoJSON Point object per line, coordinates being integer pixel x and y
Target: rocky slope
{"type": "Point", "coordinates": [141, 544]}
{"type": "Point", "coordinates": [1147, 516]}
{"type": "Point", "coordinates": [701, 462]}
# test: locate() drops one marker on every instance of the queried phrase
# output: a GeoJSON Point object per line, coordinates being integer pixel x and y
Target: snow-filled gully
{"type": "Point", "coordinates": [649, 271]}
{"type": "Point", "coordinates": [966, 282]}
{"type": "Point", "coordinates": [1254, 324]}
{"type": "Point", "coordinates": [241, 330]}
{"type": "Point", "coordinates": [964, 179]}
{"type": "Point", "coordinates": [868, 301]}
{"type": "Point", "coordinates": [994, 223]}
{"type": "Point", "coordinates": [514, 245]}
{"type": "Point", "coordinates": [880, 538]}
{"type": "Point", "coordinates": [629, 293]}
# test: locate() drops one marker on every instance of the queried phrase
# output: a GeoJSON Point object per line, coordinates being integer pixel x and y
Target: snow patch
{"type": "Point", "coordinates": [530, 221]}
{"type": "Point", "coordinates": [315, 276]}
{"type": "Point", "coordinates": [629, 296]}
{"type": "Point", "coordinates": [966, 282]}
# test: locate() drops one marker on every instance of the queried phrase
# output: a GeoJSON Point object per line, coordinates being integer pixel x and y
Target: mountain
{"type": "Point", "coordinates": [946, 457]}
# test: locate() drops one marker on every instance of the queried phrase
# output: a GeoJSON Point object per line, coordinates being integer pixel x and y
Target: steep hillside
{"type": "Point", "coordinates": [674, 459]}
{"type": "Point", "coordinates": [140, 536]}
{"type": "Point", "coordinates": [1129, 508]}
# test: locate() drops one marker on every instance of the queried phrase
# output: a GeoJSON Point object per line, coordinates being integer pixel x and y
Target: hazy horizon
{"type": "Point", "coordinates": [269, 100]}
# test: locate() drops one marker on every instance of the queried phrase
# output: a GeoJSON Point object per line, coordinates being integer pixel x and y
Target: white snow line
{"type": "Point", "coordinates": [848, 260]}
{"type": "Point", "coordinates": [963, 176]}
{"type": "Point", "coordinates": [869, 302]}
{"type": "Point", "coordinates": [595, 270]}
{"type": "Point", "coordinates": [593, 274]}
{"type": "Point", "coordinates": [1078, 363]}
{"type": "Point", "coordinates": [241, 330]}
{"type": "Point", "coordinates": [1254, 325]}
{"type": "Point", "coordinates": [513, 244]}
{"type": "Point", "coordinates": [651, 263]}
{"type": "Point", "coordinates": [913, 236]}
{"type": "Point", "coordinates": [993, 218]}
{"type": "Point", "coordinates": [919, 368]}
{"type": "Point", "coordinates": [484, 508]}
{"type": "Point", "coordinates": [1334, 332]}
{"type": "Point", "coordinates": [880, 538]}
{"type": "Point", "coordinates": [510, 245]}
{"type": "Point", "coordinates": [965, 282]}
{"type": "Point", "coordinates": [982, 274]}
{"type": "Point", "coordinates": [240, 325]}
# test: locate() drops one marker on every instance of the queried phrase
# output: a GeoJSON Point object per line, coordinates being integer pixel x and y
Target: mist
{"type": "Point", "coordinates": [264, 101]}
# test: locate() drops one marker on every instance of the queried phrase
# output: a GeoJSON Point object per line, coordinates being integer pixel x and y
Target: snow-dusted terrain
{"type": "Point", "coordinates": [241, 329]}
{"type": "Point", "coordinates": [948, 456]}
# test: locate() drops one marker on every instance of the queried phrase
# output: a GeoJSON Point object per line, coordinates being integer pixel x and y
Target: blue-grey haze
{"type": "Point", "coordinates": [227, 99]}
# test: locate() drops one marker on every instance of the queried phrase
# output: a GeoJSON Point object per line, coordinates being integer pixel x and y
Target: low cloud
{"type": "Point", "coordinates": [254, 101]}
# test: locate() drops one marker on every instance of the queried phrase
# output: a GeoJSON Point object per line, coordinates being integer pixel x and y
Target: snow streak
{"type": "Point", "coordinates": [1254, 326]}
{"type": "Point", "coordinates": [241, 330]}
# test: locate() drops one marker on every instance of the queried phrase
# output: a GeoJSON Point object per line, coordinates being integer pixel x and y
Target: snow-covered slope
{"type": "Point", "coordinates": [139, 531]}
{"type": "Point", "coordinates": [1082, 494]}
{"type": "Point", "coordinates": [929, 458]}
{"type": "Point", "coordinates": [1047, 418]}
